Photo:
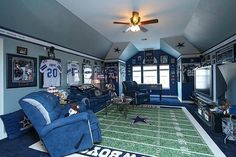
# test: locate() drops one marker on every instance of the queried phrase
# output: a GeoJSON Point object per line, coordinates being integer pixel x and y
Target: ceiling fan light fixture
{"type": "Point", "coordinates": [135, 28]}
{"type": "Point", "coordinates": [135, 19]}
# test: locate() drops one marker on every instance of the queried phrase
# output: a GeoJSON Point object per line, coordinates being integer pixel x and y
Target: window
{"type": "Point", "coordinates": [165, 76]}
{"type": "Point", "coordinates": [150, 74]}
{"type": "Point", "coordinates": [137, 74]}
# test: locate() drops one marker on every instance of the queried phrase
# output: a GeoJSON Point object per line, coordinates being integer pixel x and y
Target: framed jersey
{"type": "Point", "coordinates": [73, 73]}
{"type": "Point", "coordinates": [50, 72]}
{"type": "Point", "coordinates": [87, 74]}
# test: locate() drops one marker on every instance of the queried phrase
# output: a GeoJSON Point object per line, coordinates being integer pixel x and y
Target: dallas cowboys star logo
{"type": "Point", "coordinates": [117, 50]}
{"type": "Point", "coordinates": [139, 119]}
{"type": "Point", "coordinates": [25, 123]}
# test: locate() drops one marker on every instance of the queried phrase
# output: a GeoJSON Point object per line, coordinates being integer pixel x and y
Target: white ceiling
{"type": "Point", "coordinates": [173, 16]}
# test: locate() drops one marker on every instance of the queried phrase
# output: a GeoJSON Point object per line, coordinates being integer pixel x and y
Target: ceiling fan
{"type": "Point", "coordinates": [136, 24]}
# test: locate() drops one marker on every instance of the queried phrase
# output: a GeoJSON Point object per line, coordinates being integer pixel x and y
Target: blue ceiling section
{"type": "Point", "coordinates": [212, 22]}
{"type": "Point", "coordinates": [128, 52]}
{"type": "Point", "coordinates": [48, 20]}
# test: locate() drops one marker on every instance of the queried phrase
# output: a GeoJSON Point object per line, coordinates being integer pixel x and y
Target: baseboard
{"type": "Point", "coordinates": [187, 101]}
{"type": "Point", "coordinates": [3, 133]}
{"type": "Point", "coordinates": [179, 99]}
{"type": "Point", "coordinates": [164, 96]}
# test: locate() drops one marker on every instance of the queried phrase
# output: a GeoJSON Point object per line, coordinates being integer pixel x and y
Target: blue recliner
{"type": "Point", "coordinates": [60, 135]}
{"type": "Point", "coordinates": [131, 88]}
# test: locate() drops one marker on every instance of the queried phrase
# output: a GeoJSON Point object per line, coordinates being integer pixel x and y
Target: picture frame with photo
{"type": "Point", "coordinates": [164, 59]}
{"type": "Point", "coordinates": [21, 71]}
{"type": "Point", "coordinates": [21, 50]}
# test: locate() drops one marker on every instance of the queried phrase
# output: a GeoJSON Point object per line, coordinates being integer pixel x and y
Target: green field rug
{"type": "Point", "coordinates": [168, 132]}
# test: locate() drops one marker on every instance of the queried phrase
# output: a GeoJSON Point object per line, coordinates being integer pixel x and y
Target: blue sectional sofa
{"type": "Point", "coordinates": [97, 102]}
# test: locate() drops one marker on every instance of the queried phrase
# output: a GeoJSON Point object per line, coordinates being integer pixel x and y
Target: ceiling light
{"type": "Point", "coordinates": [135, 28]}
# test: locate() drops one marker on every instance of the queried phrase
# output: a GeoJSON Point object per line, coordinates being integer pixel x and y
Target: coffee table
{"type": "Point", "coordinates": [122, 104]}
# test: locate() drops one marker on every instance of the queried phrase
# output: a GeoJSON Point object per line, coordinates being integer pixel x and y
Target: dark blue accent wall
{"type": "Point", "coordinates": [188, 79]}
{"type": "Point", "coordinates": [138, 59]}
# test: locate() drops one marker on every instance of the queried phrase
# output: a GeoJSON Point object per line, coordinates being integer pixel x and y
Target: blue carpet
{"type": "Point", "coordinates": [19, 147]}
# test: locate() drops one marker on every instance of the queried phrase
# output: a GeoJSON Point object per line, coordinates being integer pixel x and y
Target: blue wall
{"type": "Point", "coordinates": [12, 95]}
{"type": "Point", "coordinates": [186, 84]}
{"type": "Point", "coordinates": [157, 54]}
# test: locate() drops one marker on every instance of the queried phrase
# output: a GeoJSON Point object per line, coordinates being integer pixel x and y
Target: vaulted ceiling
{"type": "Point", "coordinates": [173, 16]}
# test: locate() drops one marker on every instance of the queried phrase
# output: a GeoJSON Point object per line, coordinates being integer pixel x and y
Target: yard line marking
{"type": "Point", "coordinates": [170, 122]}
{"type": "Point", "coordinates": [158, 133]}
{"type": "Point", "coordinates": [179, 140]}
{"type": "Point", "coordinates": [153, 112]}
{"type": "Point", "coordinates": [145, 125]}
{"type": "Point", "coordinates": [150, 145]}
{"type": "Point", "coordinates": [152, 130]}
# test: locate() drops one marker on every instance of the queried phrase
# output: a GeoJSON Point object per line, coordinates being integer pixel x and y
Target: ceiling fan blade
{"type": "Point", "coordinates": [128, 29]}
{"type": "Point", "coordinates": [149, 21]}
{"type": "Point", "coordinates": [143, 29]}
{"type": "Point", "coordinates": [124, 23]}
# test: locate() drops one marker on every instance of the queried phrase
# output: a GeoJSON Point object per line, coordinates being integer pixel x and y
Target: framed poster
{"type": "Point", "coordinates": [164, 59]}
{"type": "Point", "coordinates": [21, 71]}
{"type": "Point", "coordinates": [149, 57]}
{"type": "Point", "coordinates": [22, 50]}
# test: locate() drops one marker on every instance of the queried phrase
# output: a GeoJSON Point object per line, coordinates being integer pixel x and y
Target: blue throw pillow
{"type": "Point", "coordinates": [16, 124]}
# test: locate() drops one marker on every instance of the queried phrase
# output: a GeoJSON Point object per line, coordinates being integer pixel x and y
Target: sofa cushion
{"type": "Point", "coordinates": [16, 124]}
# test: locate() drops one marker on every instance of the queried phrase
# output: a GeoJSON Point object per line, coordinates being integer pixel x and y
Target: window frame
{"type": "Point", "coordinates": [164, 69]}
{"type": "Point", "coordinates": [137, 71]}
{"type": "Point", "coordinates": [154, 70]}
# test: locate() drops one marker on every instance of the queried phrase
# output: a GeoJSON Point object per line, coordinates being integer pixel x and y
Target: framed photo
{"type": "Point", "coordinates": [21, 71]}
{"type": "Point", "coordinates": [22, 50]}
{"type": "Point", "coordinates": [164, 59]}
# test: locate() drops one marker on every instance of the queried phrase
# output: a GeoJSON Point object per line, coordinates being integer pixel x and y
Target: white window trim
{"type": "Point", "coordinates": [137, 71]}
{"type": "Point", "coordinates": [165, 88]}
{"type": "Point", "coordinates": [150, 70]}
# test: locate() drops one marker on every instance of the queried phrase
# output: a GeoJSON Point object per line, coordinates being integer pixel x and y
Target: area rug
{"type": "Point", "coordinates": [169, 132]}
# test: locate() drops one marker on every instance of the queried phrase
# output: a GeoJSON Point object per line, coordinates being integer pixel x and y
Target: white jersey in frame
{"type": "Point", "coordinates": [51, 70]}
{"type": "Point", "coordinates": [73, 73]}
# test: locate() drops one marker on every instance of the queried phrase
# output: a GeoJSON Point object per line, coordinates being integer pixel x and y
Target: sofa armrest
{"type": "Point", "coordinates": [63, 122]}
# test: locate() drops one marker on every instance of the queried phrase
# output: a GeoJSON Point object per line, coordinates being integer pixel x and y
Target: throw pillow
{"type": "Point", "coordinates": [97, 92]}
{"type": "Point", "coordinates": [16, 124]}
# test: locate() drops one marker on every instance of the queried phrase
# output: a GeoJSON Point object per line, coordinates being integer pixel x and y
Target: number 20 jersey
{"type": "Point", "coordinates": [51, 70]}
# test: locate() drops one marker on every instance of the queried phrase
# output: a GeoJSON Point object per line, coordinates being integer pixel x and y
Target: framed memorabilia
{"type": "Point", "coordinates": [41, 75]}
{"type": "Point", "coordinates": [149, 57]}
{"type": "Point", "coordinates": [172, 61]}
{"type": "Point", "coordinates": [164, 59]}
{"type": "Point", "coordinates": [133, 61]}
{"type": "Point", "coordinates": [87, 74]}
{"type": "Point", "coordinates": [22, 50]}
{"type": "Point", "coordinates": [21, 71]}
{"type": "Point", "coordinates": [73, 73]}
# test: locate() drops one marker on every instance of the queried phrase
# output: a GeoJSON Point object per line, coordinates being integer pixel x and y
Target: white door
{"type": "Point", "coordinates": [2, 132]}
